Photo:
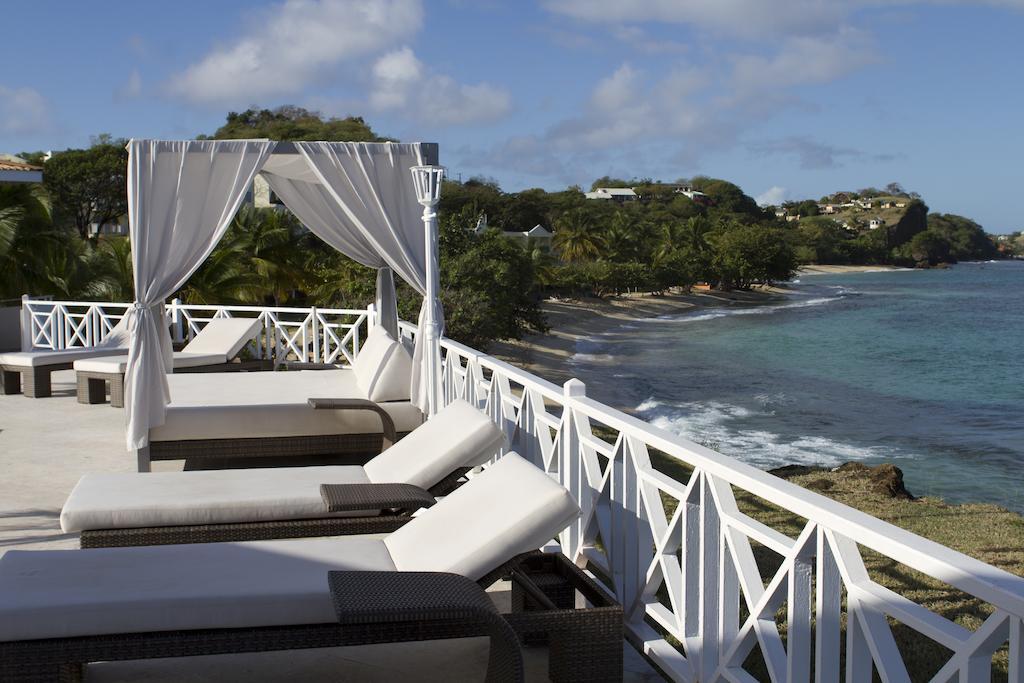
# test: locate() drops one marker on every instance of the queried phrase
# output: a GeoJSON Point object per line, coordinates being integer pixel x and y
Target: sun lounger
{"type": "Point", "coordinates": [256, 504]}
{"type": "Point", "coordinates": [61, 609]}
{"type": "Point", "coordinates": [29, 372]}
{"type": "Point", "coordinates": [217, 416]}
{"type": "Point", "coordinates": [212, 350]}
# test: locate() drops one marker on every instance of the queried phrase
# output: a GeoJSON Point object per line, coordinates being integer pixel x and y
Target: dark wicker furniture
{"type": "Point", "coordinates": [357, 448]}
{"type": "Point", "coordinates": [34, 382]}
{"type": "Point", "coordinates": [452, 605]}
{"type": "Point", "coordinates": [585, 644]}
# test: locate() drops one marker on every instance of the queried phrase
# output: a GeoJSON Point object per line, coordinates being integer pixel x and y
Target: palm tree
{"type": "Point", "coordinates": [272, 242]}
{"type": "Point", "coordinates": [223, 279]}
{"type": "Point", "coordinates": [111, 268]}
{"type": "Point", "coordinates": [26, 234]}
{"type": "Point", "coordinates": [575, 238]}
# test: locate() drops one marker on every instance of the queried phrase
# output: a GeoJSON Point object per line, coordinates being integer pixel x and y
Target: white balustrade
{"type": "Point", "coordinates": [679, 555]}
{"type": "Point", "coordinates": [322, 335]}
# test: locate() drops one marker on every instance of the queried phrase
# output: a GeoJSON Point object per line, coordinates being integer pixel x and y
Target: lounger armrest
{"type": "Point", "coordinates": [437, 600]}
{"type": "Point", "coordinates": [390, 435]}
{"type": "Point", "coordinates": [303, 365]}
{"type": "Point", "coordinates": [350, 497]}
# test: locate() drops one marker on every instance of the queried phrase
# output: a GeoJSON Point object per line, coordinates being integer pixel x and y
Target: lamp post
{"type": "Point", "coordinates": [427, 181]}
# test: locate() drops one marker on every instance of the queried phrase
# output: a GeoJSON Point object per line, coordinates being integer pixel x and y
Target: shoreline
{"type": "Point", "coordinates": [574, 320]}
{"type": "Point", "coordinates": [833, 270]}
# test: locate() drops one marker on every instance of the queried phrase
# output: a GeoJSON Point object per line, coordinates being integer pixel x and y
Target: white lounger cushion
{"type": "Point", "coordinates": [38, 359]}
{"type": "Point", "coordinates": [220, 341]}
{"type": "Point", "coordinates": [123, 501]}
{"type": "Point", "coordinates": [224, 336]}
{"type": "Point", "coordinates": [117, 364]}
{"type": "Point", "coordinates": [238, 405]}
{"type": "Point", "coordinates": [383, 367]}
{"type": "Point", "coordinates": [510, 508]}
{"type": "Point", "coordinates": [458, 436]}
{"type": "Point", "coordinates": [116, 341]}
{"type": "Point", "coordinates": [63, 593]}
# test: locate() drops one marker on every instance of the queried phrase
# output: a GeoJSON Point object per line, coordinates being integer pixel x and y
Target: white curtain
{"type": "Point", "coordinates": [319, 211]}
{"type": "Point", "coordinates": [374, 196]}
{"type": "Point", "coordinates": [182, 196]}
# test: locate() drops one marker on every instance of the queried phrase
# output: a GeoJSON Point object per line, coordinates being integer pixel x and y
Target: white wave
{"type": "Point", "coordinates": [752, 310]}
{"type": "Point", "coordinates": [721, 426]}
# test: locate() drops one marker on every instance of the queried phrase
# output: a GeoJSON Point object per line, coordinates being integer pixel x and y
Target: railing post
{"type": "Point", "coordinates": [177, 331]}
{"type": "Point", "coordinates": [570, 470]}
{"type": "Point", "coordinates": [26, 323]}
{"type": "Point", "coordinates": [314, 323]}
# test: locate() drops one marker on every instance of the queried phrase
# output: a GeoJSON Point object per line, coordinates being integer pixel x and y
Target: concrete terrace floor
{"type": "Point", "coordinates": [47, 444]}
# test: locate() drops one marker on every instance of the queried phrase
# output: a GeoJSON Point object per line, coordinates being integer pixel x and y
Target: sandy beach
{"type": "Point", "coordinates": [548, 355]}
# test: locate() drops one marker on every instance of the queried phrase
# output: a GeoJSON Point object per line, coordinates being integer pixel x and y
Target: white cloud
{"type": "Point", "coordinates": [23, 111]}
{"type": "Point", "coordinates": [736, 17]}
{"type": "Point", "coordinates": [403, 82]}
{"type": "Point", "coordinates": [804, 60]}
{"type": "Point", "coordinates": [294, 44]}
{"type": "Point", "coordinates": [755, 19]}
{"type": "Point", "coordinates": [773, 196]}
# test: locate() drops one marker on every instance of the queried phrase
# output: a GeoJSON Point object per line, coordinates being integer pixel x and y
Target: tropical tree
{"type": "Point", "coordinates": [273, 242]}
{"type": "Point", "coordinates": [88, 186]}
{"type": "Point", "coordinates": [110, 265]}
{"type": "Point", "coordinates": [575, 238]}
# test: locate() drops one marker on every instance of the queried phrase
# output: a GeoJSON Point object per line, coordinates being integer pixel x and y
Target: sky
{"type": "Point", "coordinates": [787, 98]}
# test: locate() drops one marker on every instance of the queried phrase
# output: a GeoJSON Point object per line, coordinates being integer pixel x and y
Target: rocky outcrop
{"type": "Point", "coordinates": [886, 479]}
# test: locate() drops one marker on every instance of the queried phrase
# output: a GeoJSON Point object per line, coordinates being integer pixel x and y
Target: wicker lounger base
{"type": "Point", "coordinates": [247, 531]}
{"type": "Point", "coordinates": [195, 451]}
{"type": "Point", "coordinates": [34, 382]}
{"type": "Point", "coordinates": [586, 644]}
{"type": "Point", "coordinates": [92, 386]}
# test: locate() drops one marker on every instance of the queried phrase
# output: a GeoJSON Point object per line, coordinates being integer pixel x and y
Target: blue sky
{"type": "Point", "coordinates": [789, 99]}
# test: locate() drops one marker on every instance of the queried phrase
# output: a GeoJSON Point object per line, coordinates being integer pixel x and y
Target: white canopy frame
{"type": "Point", "coordinates": [363, 199]}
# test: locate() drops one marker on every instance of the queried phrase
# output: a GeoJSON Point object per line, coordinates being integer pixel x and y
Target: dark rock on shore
{"type": "Point", "coordinates": [886, 479]}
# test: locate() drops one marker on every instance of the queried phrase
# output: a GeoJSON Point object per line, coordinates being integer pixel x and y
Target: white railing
{"type": "Point", "coordinates": [680, 555]}
{"type": "Point", "coordinates": [323, 335]}
{"type": "Point", "coordinates": [679, 552]}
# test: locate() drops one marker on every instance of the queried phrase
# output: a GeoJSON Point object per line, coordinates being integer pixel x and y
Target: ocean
{"type": "Point", "coordinates": [923, 369]}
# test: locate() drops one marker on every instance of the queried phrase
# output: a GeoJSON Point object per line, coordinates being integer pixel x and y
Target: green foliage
{"type": "Point", "coordinates": [745, 255]}
{"type": "Point", "coordinates": [293, 123]}
{"type": "Point", "coordinates": [88, 185]}
{"type": "Point", "coordinates": [966, 239]}
{"type": "Point", "coordinates": [488, 286]}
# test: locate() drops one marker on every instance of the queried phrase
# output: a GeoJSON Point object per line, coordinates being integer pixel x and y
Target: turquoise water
{"type": "Point", "coordinates": [921, 368]}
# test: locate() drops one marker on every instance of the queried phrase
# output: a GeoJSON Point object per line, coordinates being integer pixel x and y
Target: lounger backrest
{"type": "Point", "coordinates": [458, 436]}
{"type": "Point", "coordinates": [383, 368]}
{"type": "Point", "coordinates": [118, 337]}
{"type": "Point", "coordinates": [510, 508]}
{"type": "Point", "coordinates": [224, 336]}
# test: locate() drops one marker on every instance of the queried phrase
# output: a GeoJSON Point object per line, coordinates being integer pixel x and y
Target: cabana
{"type": "Point", "coordinates": [374, 202]}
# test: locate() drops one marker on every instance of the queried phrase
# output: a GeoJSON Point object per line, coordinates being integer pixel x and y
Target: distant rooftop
{"type": "Point", "coordinates": [16, 170]}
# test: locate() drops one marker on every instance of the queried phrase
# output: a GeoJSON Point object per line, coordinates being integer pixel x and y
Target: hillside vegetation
{"type": "Point", "coordinates": [672, 235]}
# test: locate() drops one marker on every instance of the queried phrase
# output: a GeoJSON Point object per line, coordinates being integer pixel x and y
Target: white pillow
{"type": "Point", "coordinates": [383, 367]}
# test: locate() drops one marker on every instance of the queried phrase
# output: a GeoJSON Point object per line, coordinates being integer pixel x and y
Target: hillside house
{"type": "Point", "coordinates": [888, 205]}
{"type": "Point", "coordinates": [863, 203]}
{"type": "Point", "coordinates": [616, 194]}
{"type": "Point", "coordinates": [541, 235]}
{"type": "Point", "coordinates": [901, 205]}
{"type": "Point", "coordinates": [16, 170]}
{"type": "Point", "coordinates": [790, 219]}
{"type": "Point", "coordinates": [876, 223]}
{"type": "Point", "coordinates": [780, 213]}
{"type": "Point", "coordinates": [827, 208]}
